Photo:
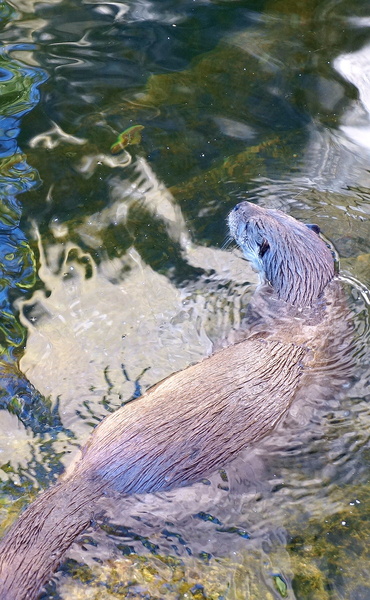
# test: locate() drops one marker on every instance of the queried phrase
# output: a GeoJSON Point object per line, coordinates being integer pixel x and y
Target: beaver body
{"type": "Point", "coordinates": [197, 420]}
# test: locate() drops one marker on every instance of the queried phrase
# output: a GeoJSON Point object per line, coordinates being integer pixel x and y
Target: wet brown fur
{"type": "Point", "coordinates": [188, 425]}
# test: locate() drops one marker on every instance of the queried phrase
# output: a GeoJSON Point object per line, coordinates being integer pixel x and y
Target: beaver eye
{"type": "Point", "coordinates": [263, 248]}
{"type": "Point", "coordinates": [313, 227]}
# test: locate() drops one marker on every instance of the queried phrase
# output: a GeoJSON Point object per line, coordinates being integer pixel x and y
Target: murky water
{"type": "Point", "coordinates": [114, 273]}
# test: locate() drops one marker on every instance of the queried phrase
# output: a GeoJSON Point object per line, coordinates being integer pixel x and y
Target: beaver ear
{"type": "Point", "coordinates": [263, 247]}
{"type": "Point", "coordinates": [314, 227]}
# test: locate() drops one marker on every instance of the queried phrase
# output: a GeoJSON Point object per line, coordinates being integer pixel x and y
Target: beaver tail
{"type": "Point", "coordinates": [32, 549]}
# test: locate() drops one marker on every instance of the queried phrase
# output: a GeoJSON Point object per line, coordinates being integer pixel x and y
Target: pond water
{"type": "Point", "coordinates": [115, 274]}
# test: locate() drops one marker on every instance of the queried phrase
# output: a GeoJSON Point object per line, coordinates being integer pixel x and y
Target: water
{"type": "Point", "coordinates": [114, 275]}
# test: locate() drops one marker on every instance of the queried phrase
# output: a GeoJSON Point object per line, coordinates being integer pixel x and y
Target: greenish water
{"type": "Point", "coordinates": [114, 272]}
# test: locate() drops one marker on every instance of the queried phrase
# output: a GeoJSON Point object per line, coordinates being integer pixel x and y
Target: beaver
{"type": "Point", "coordinates": [198, 419]}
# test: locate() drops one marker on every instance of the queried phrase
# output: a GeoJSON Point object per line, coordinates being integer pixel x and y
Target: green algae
{"type": "Point", "coordinates": [329, 555]}
{"type": "Point", "coordinates": [160, 577]}
{"type": "Point", "coordinates": [280, 585]}
{"type": "Point", "coordinates": [324, 559]}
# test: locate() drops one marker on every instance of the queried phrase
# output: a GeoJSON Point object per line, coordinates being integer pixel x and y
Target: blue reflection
{"type": "Point", "coordinates": [19, 95]}
{"type": "Point", "coordinates": [19, 87]}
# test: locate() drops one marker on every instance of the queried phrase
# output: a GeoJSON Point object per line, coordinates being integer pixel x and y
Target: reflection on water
{"type": "Point", "coordinates": [115, 278]}
{"type": "Point", "coordinates": [19, 93]}
{"type": "Point", "coordinates": [22, 468]}
{"type": "Point", "coordinates": [355, 67]}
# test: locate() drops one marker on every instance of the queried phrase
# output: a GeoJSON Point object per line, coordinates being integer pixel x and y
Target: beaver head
{"type": "Point", "coordinates": [289, 255]}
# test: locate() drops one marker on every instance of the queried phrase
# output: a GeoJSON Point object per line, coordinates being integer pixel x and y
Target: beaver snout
{"type": "Point", "coordinates": [247, 208]}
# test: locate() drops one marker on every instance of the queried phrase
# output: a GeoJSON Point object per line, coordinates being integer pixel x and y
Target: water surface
{"type": "Point", "coordinates": [115, 274]}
